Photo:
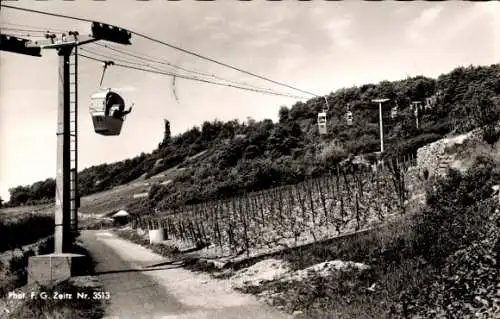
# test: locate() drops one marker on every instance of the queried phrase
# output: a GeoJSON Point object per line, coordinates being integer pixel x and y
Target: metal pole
{"type": "Point", "coordinates": [77, 192]}
{"type": "Point", "coordinates": [381, 127]}
{"type": "Point", "coordinates": [62, 208]}
{"type": "Point", "coordinates": [416, 104]}
{"type": "Point", "coordinates": [416, 116]}
{"type": "Point", "coordinates": [76, 197]}
{"type": "Point", "coordinates": [381, 124]}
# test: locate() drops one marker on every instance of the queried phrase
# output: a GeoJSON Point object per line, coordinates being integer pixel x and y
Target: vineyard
{"type": "Point", "coordinates": [316, 209]}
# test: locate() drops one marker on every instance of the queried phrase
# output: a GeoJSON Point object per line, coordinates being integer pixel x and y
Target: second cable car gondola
{"type": "Point", "coordinates": [322, 123]}
{"type": "Point", "coordinates": [322, 119]}
{"type": "Point", "coordinates": [107, 109]}
{"type": "Point", "coordinates": [394, 112]}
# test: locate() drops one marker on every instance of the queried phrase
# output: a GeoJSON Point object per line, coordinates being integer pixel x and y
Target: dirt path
{"type": "Point", "coordinates": [166, 291]}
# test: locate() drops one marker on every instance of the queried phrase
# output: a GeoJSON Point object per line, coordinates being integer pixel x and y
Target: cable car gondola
{"type": "Point", "coordinates": [322, 119]}
{"type": "Point", "coordinates": [394, 112]}
{"type": "Point", "coordinates": [348, 117]}
{"type": "Point", "coordinates": [322, 123]}
{"type": "Point", "coordinates": [107, 109]}
{"type": "Point", "coordinates": [429, 102]}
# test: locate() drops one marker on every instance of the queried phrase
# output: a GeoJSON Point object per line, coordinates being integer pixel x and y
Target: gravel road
{"type": "Point", "coordinates": [165, 291]}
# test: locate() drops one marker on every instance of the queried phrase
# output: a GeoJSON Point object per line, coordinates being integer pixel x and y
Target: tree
{"type": "Point", "coordinates": [167, 134]}
{"type": "Point", "coordinates": [484, 113]}
{"type": "Point", "coordinates": [284, 114]}
{"type": "Point", "coordinates": [1, 202]}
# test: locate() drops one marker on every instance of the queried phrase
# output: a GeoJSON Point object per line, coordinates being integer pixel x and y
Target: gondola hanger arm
{"type": "Point", "coordinates": [106, 64]}
{"type": "Point", "coordinates": [327, 108]}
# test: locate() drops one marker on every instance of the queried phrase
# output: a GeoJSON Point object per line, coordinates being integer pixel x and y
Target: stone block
{"type": "Point", "coordinates": [54, 268]}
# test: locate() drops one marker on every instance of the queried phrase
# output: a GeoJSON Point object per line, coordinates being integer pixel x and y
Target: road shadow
{"type": "Point", "coordinates": [145, 269]}
{"type": "Point", "coordinates": [179, 262]}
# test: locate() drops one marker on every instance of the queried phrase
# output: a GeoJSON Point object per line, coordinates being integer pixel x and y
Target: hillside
{"type": "Point", "coordinates": [429, 253]}
{"type": "Point", "coordinates": [235, 157]}
{"type": "Point", "coordinates": [294, 246]}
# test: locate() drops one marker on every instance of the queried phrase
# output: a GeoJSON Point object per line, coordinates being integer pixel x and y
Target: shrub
{"type": "Point", "coordinates": [455, 215]}
{"type": "Point", "coordinates": [332, 154]}
{"type": "Point", "coordinates": [24, 230]}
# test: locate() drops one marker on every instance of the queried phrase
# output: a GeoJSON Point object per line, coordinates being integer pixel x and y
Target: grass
{"type": "Point", "coordinates": [13, 265]}
{"type": "Point", "coordinates": [62, 308]}
{"type": "Point", "coordinates": [345, 294]}
{"type": "Point", "coordinates": [163, 250]}
{"type": "Point", "coordinates": [14, 278]}
{"type": "Point", "coordinates": [189, 262]}
{"type": "Point", "coordinates": [24, 229]}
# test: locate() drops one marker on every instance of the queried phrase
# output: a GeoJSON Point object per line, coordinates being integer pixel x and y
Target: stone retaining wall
{"type": "Point", "coordinates": [431, 156]}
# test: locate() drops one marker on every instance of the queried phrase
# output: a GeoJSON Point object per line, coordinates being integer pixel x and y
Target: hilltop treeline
{"type": "Point", "coordinates": [256, 155]}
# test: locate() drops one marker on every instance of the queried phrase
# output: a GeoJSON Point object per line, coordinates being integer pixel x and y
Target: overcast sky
{"type": "Point", "coordinates": [317, 46]}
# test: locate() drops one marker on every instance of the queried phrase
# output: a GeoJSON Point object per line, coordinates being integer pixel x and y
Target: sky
{"type": "Point", "coordinates": [316, 46]}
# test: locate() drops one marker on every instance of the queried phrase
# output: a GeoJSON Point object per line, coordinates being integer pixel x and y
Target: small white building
{"type": "Point", "coordinates": [121, 217]}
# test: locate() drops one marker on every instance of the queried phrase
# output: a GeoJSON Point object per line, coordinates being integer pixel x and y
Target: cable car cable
{"type": "Point", "coordinates": [23, 35]}
{"type": "Point", "coordinates": [32, 27]}
{"type": "Point", "coordinates": [174, 91]}
{"type": "Point", "coordinates": [120, 60]}
{"type": "Point", "coordinates": [162, 70]}
{"type": "Point", "coordinates": [165, 44]}
{"type": "Point", "coordinates": [24, 30]}
{"type": "Point", "coordinates": [197, 79]}
{"type": "Point", "coordinates": [146, 58]}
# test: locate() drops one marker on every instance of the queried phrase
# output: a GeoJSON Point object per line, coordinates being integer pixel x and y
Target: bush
{"type": "Point", "coordinates": [24, 230]}
{"type": "Point", "coordinates": [332, 154]}
{"type": "Point", "coordinates": [408, 256]}
{"type": "Point", "coordinates": [455, 214]}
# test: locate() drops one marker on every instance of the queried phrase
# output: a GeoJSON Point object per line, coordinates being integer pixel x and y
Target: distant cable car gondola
{"type": "Point", "coordinates": [108, 112]}
{"type": "Point", "coordinates": [348, 117]}
{"type": "Point", "coordinates": [394, 112]}
{"type": "Point", "coordinates": [429, 103]}
{"type": "Point", "coordinates": [322, 121]}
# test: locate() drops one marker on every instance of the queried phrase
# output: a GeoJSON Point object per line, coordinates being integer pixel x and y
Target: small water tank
{"type": "Point", "coordinates": [156, 236]}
